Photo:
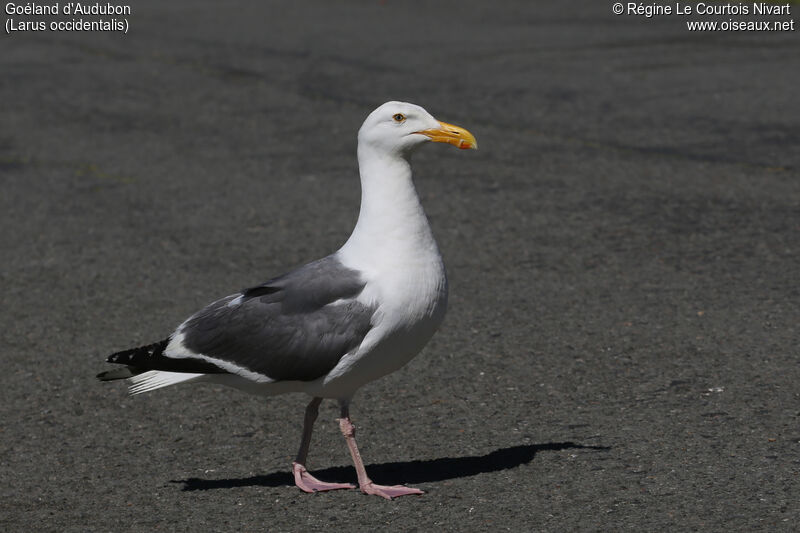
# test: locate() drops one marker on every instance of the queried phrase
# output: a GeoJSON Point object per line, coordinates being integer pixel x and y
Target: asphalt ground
{"type": "Point", "coordinates": [621, 349]}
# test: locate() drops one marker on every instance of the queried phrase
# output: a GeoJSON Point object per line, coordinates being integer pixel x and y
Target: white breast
{"type": "Point", "coordinates": [410, 298]}
{"type": "Point", "coordinates": [393, 248]}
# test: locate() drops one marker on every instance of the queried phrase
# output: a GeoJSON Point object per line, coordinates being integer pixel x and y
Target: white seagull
{"type": "Point", "coordinates": [335, 324]}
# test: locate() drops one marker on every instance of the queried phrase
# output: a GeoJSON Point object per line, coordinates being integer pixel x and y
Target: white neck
{"type": "Point", "coordinates": [391, 227]}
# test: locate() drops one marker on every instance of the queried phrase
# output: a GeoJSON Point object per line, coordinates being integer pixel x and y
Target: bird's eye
{"type": "Point", "coordinates": [399, 117]}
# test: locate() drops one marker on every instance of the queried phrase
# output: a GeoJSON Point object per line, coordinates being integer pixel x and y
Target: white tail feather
{"type": "Point", "coordinates": [156, 379]}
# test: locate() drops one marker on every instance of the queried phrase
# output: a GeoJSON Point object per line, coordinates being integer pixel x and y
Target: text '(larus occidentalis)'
{"type": "Point", "coordinates": [335, 324]}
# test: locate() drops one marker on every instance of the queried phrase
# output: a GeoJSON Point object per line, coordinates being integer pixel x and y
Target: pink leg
{"type": "Point", "coordinates": [364, 482]}
{"type": "Point", "coordinates": [302, 478]}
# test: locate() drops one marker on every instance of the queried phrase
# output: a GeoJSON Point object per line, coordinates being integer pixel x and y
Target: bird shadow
{"type": "Point", "coordinates": [398, 473]}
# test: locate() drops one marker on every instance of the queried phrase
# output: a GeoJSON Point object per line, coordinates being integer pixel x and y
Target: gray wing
{"type": "Point", "coordinates": [294, 327]}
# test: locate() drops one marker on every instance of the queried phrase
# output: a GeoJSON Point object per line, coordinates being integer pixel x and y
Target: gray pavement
{"type": "Point", "coordinates": [621, 350]}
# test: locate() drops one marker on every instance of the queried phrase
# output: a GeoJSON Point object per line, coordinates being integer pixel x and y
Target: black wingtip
{"type": "Point", "coordinates": [150, 357]}
{"type": "Point", "coordinates": [141, 354]}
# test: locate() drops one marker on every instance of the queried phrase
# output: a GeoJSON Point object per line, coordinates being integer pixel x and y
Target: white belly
{"type": "Point", "coordinates": [411, 312]}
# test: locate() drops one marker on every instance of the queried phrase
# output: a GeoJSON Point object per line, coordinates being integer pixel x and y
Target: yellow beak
{"type": "Point", "coordinates": [455, 135]}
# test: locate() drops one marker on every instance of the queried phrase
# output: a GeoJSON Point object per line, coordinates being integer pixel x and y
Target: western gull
{"type": "Point", "coordinates": [335, 324]}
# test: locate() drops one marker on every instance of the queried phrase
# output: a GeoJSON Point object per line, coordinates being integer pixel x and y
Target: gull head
{"type": "Point", "coordinates": [399, 127]}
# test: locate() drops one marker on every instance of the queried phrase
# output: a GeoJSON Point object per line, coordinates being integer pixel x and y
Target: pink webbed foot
{"type": "Point", "coordinates": [308, 483]}
{"type": "Point", "coordinates": [389, 492]}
